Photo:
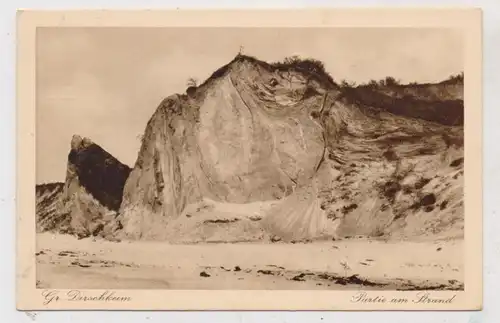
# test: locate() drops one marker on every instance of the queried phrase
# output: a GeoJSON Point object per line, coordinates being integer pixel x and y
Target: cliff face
{"type": "Point", "coordinates": [47, 203]}
{"type": "Point", "coordinates": [274, 151]}
{"type": "Point", "coordinates": [383, 174]}
{"type": "Point", "coordinates": [86, 203]}
{"type": "Point", "coordinates": [97, 171]}
{"type": "Point", "coordinates": [319, 161]}
{"type": "Point", "coordinates": [243, 140]}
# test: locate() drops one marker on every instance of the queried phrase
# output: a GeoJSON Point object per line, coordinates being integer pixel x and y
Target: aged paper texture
{"type": "Point", "coordinates": [324, 159]}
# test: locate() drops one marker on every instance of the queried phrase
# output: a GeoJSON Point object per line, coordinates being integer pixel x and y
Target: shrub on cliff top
{"type": "Point", "coordinates": [310, 65]}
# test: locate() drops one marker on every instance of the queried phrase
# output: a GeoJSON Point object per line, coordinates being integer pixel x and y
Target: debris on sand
{"type": "Point", "coordinates": [221, 221]}
{"type": "Point", "coordinates": [350, 280]}
{"type": "Point", "coordinates": [266, 272]}
{"type": "Point", "coordinates": [237, 268]}
{"type": "Point", "coordinates": [204, 274]}
{"type": "Point", "coordinates": [354, 279]}
{"type": "Point", "coordinates": [431, 287]}
{"type": "Point", "coordinates": [76, 263]}
{"type": "Point", "coordinates": [299, 278]}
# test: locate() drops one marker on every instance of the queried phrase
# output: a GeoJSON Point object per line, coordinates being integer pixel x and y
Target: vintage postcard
{"type": "Point", "coordinates": [325, 159]}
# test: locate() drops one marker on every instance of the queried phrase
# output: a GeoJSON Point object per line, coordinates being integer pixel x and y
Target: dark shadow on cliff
{"type": "Point", "coordinates": [101, 174]}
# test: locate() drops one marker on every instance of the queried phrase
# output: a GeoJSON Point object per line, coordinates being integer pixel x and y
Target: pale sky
{"type": "Point", "coordinates": [105, 83]}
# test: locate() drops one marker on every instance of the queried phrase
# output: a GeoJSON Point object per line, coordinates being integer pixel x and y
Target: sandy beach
{"type": "Point", "coordinates": [66, 262]}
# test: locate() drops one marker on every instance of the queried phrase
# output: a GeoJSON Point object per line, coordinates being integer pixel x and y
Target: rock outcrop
{"type": "Point", "coordinates": [87, 203]}
{"type": "Point", "coordinates": [279, 152]}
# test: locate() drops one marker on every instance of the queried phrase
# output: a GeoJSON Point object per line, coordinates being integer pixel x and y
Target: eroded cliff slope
{"type": "Point", "coordinates": [280, 151]}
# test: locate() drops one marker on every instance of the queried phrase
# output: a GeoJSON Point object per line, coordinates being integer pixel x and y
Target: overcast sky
{"type": "Point", "coordinates": [105, 83]}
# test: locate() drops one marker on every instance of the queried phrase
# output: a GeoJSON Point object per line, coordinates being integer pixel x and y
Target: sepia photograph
{"type": "Point", "coordinates": [250, 158]}
{"type": "Point", "coordinates": [213, 159]}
